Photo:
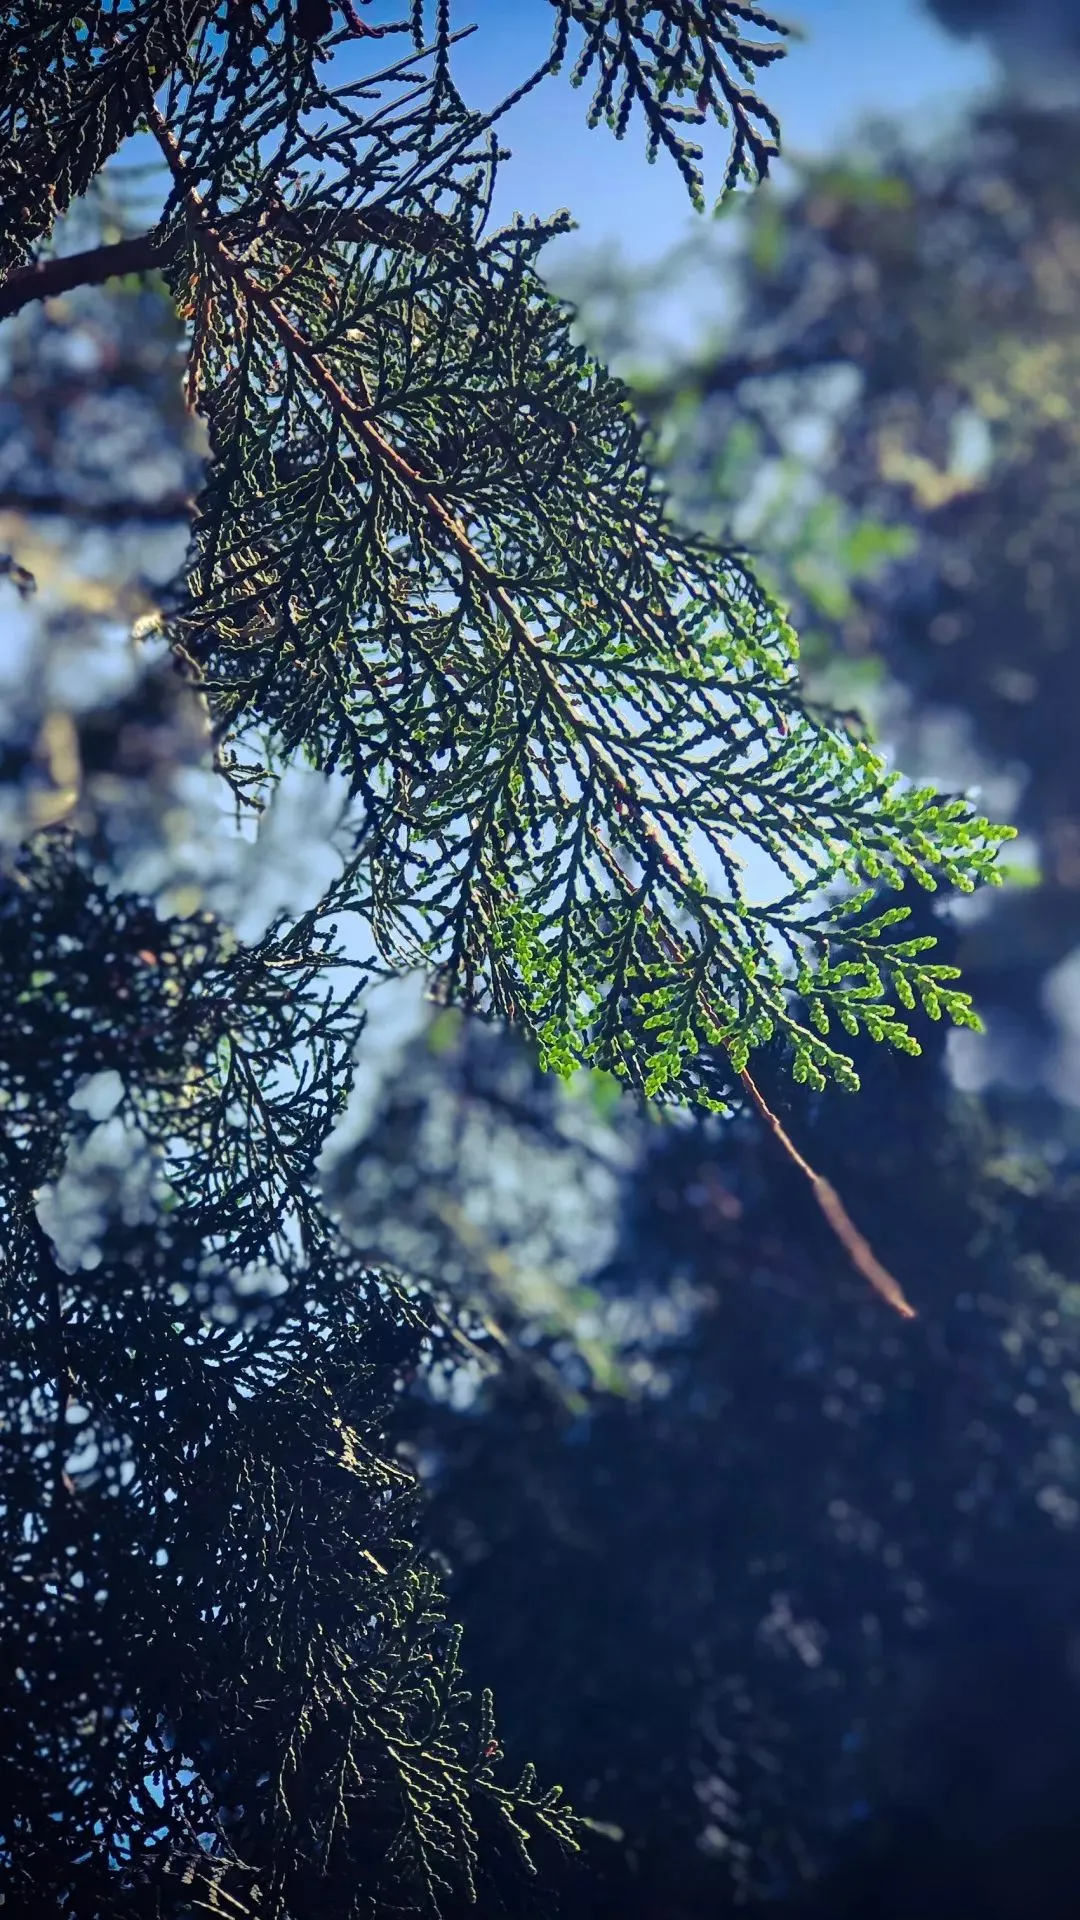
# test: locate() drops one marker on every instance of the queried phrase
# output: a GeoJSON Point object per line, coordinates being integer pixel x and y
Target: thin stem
{"type": "Point", "coordinates": [859, 1250]}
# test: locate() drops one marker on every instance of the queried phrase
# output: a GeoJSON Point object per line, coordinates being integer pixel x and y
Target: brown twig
{"type": "Point", "coordinates": [48, 278]}
{"type": "Point", "coordinates": [859, 1250]}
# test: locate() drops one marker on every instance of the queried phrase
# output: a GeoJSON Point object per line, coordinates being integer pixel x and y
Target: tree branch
{"type": "Point", "coordinates": [47, 278]}
{"type": "Point", "coordinates": [143, 252]}
{"type": "Point", "coordinates": [359, 417]}
{"type": "Point", "coordinates": [169, 510]}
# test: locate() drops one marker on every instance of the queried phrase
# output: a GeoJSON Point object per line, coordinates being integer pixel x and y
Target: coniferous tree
{"type": "Point", "coordinates": [428, 556]}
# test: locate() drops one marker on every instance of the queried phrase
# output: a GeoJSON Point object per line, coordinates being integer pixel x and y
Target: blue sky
{"type": "Point", "coordinates": [859, 57]}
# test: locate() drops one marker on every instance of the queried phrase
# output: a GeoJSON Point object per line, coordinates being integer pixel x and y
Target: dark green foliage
{"type": "Point", "coordinates": [566, 724]}
{"type": "Point", "coordinates": [235, 1060]}
{"type": "Point", "coordinates": [661, 52]}
{"type": "Point", "coordinates": [217, 1629]}
{"type": "Point", "coordinates": [75, 83]}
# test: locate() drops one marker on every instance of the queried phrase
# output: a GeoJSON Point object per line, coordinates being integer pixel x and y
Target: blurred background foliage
{"type": "Point", "coordinates": [784, 1591]}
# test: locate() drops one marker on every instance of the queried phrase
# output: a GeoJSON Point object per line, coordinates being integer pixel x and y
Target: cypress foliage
{"type": "Point", "coordinates": [429, 555]}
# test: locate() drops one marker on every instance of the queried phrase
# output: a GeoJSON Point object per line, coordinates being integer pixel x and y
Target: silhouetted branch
{"type": "Point", "coordinates": [91, 268]}
{"type": "Point", "coordinates": [143, 252]}
{"type": "Point", "coordinates": [859, 1250]}
{"type": "Point", "coordinates": [167, 510]}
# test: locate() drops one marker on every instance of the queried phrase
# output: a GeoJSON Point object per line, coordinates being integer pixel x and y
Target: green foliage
{"type": "Point", "coordinates": [939, 369]}
{"type": "Point", "coordinates": [74, 86]}
{"type": "Point", "coordinates": [430, 554]}
{"type": "Point", "coordinates": [668, 50]}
